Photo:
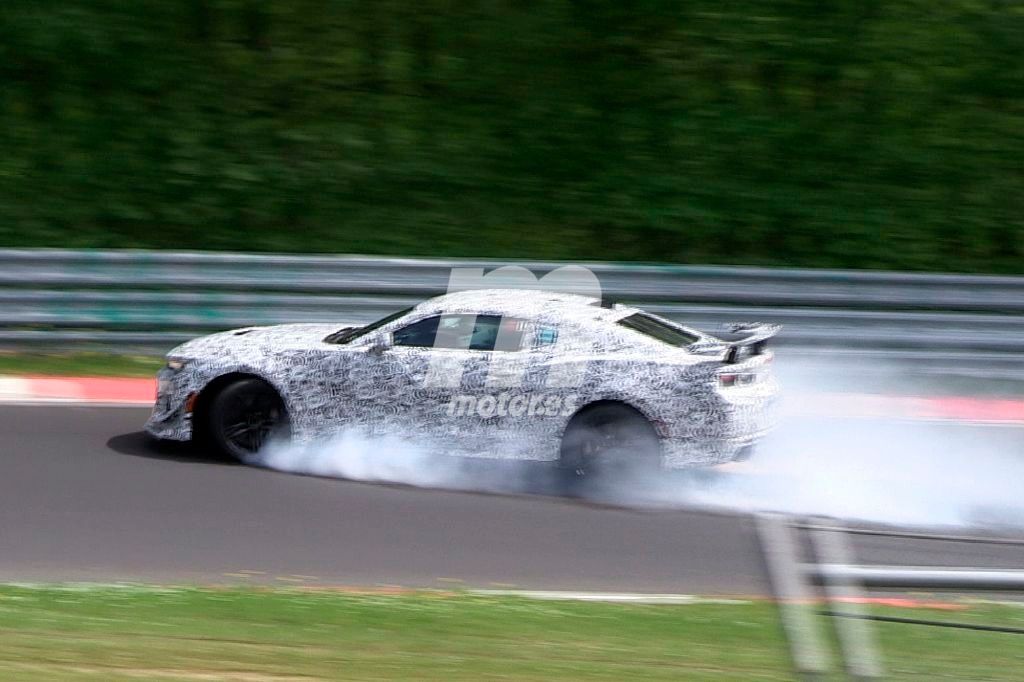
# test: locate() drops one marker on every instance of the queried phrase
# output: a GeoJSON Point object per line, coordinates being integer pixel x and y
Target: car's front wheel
{"type": "Point", "coordinates": [608, 441]}
{"type": "Point", "coordinates": [244, 417]}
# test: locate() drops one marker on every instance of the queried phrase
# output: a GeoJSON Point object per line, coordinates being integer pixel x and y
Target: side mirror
{"type": "Point", "coordinates": [379, 346]}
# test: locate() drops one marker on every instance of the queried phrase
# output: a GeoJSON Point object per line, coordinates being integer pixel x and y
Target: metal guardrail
{"type": "Point", "coordinates": [843, 583]}
{"type": "Point", "coordinates": [139, 301]}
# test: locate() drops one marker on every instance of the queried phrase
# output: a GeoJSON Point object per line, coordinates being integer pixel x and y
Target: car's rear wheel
{"type": "Point", "coordinates": [608, 441]}
{"type": "Point", "coordinates": [244, 417]}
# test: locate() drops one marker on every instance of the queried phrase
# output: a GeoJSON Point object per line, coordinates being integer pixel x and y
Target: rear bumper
{"type": "Point", "coordinates": [723, 433]}
{"type": "Point", "coordinates": [705, 453]}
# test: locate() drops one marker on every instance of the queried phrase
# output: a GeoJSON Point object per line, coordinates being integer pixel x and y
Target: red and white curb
{"type": "Point", "coordinates": [142, 393]}
{"type": "Point", "coordinates": [32, 390]}
{"type": "Point", "coordinates": [977, 410]}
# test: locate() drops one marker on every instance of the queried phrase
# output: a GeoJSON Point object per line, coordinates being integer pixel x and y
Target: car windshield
{"type": "Point", "coordinates": [655, 328]}
{"type": "Point", "coordinates": [352, 333]}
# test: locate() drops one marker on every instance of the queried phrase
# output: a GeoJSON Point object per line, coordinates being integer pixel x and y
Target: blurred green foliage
{"type": "Point", "coordinates": [836, 133]}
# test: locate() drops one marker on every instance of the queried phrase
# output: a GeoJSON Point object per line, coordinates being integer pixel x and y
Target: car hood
{"type": "Point", "coordinates": [278, 337]}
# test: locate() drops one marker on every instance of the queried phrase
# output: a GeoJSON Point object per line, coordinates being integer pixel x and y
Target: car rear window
{"type": "Point", "coordinates": [655, 328]}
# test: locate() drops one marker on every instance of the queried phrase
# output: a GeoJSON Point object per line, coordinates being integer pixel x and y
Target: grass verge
{"type": "Point", "coordinates": [80, 364]}
{"type": "Point", "coordinates": [116, 633]}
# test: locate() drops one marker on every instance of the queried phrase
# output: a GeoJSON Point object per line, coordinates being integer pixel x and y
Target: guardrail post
{"type": "Point", "coordinates": [793, 595]}
{"type": "Point", "coordinates": [844, 598]}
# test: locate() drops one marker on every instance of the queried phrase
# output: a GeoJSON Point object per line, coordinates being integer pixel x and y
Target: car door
{"type": "Point", "coordinates": [384, 383]}
{"type": "Point", "coordinates": [448, 359]}
{"type": "Point", "coordinates": [444, 379]}
{"type": "Point", "coordinates": [400, 381]}
{"type": "Point", "coordinates": [489, 381]}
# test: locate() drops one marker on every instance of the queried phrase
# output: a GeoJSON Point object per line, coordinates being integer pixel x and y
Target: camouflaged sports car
{"type": "Point", "coordinates": [514, 374]}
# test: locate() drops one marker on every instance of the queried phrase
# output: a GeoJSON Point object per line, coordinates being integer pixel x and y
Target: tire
{"type": "Point", "coordinates": [244, 417]}
{"type": "Point", "coordinates": [607, 442]}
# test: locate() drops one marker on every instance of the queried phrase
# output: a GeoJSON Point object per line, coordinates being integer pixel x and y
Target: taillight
{"type": "Point", "coordinates": [730, 379]}
{"type": "Point", "coordinates": [754, 370]}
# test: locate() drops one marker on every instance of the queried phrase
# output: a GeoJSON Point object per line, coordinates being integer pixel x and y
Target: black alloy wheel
{"type": "Point", "coordinates": [244, 417]}
{"type": "Point", "coordinates": [608, 442]}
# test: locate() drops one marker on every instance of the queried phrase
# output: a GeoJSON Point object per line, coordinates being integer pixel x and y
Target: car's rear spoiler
{"type": "Point", "coordinates": [757, 335]}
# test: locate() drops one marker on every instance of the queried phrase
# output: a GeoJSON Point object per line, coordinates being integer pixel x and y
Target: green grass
{"type": "Point", "coordinates": [116, 633]}
{"type": "Point", "coordinates": [80, 364]}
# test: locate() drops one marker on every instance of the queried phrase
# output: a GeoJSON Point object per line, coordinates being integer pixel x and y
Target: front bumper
{"type": "Point", "coordinates": [169, 419]}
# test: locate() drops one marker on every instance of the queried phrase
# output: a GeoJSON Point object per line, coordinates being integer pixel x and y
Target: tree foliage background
{"type": "Point", "coordinates": [838, 133]}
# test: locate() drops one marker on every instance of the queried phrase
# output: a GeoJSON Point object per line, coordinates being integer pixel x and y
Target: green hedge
{"type": "Point", "coordinates": [835, 133]}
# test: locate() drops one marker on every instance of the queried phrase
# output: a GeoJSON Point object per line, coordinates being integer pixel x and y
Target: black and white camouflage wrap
{"type": "Point", "coordinates": [376, 388]}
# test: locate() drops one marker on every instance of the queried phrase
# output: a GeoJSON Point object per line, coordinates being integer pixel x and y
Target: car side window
{"type": "Point", "coordinates": [472, 332]}
{"type": "Point", "coordinates": [547, 335]}
{"type": "Point", "coordinates": [494, 332]}
{"type": "Point", "coordinates": [419, 334]}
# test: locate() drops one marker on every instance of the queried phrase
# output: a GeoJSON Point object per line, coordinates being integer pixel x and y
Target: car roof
{"type": "Point", "coordinates": [523, 303]}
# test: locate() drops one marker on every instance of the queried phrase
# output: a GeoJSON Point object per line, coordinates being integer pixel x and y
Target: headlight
{"type": "Point", "coordinates": [176, 363]}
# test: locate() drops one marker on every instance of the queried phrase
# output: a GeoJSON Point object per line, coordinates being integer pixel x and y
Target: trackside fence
{"type": "Point", "coordinates": [147, 301]}
{"type": "Point", "coordinates": [813, 573]}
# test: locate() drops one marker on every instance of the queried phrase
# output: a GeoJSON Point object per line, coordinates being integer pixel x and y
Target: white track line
{"type": "Point", "coordinates": [14, 388]}
{"type": "Point", "coordinates": [623, 597]}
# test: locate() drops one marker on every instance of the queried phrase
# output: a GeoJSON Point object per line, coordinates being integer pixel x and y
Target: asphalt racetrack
{"type": "Point", "coordinates": [84, 496]}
